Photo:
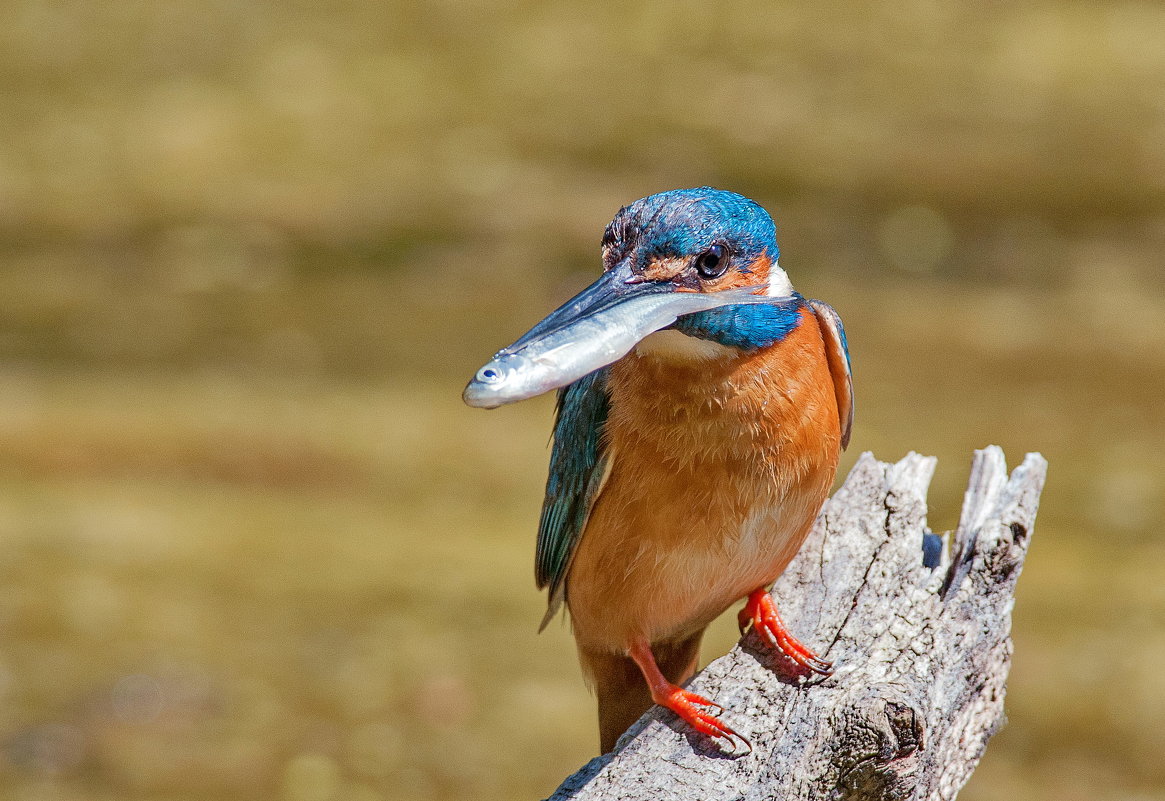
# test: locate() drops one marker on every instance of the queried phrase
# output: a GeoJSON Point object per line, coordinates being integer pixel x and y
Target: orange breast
{"type": "Point", "coordinates": [718, 469]}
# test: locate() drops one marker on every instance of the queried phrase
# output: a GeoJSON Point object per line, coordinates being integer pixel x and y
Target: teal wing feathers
{"type": "Point", "coordinates": [578, 463]}
{"type": "Point", "coordinates": [837, 352]}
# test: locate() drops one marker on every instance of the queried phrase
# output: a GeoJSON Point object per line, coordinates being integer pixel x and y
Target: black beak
{"type": "Point", "coordinates": [615, 286]}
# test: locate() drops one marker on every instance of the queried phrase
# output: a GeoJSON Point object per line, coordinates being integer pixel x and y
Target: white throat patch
{"type": "Point", "coordinates": [779, 284]}
{"type": "Point", "coordinates": [675, 346]}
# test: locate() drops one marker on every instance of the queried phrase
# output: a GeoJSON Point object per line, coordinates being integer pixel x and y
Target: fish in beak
{"type": "Point", "coordinates": [596, 327]}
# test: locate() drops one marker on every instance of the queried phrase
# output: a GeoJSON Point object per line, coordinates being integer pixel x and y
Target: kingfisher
{"type": "Point", "coordinates": [703, 405]}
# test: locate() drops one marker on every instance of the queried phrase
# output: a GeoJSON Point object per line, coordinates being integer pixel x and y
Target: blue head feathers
{"type": "Point", "coordinates": [684, 222]}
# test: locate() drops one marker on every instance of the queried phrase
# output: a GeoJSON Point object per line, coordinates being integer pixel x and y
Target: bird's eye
{"type": "Point", "coordinates": [713, 262]}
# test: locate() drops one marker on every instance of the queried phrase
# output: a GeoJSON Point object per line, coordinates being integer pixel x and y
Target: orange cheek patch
{"type": "Point", "coordinates": [664, 269]}
{"type": "Point", "coordinates": [669, 269]}
{"type": "Point", "coordinates": [758, 273]}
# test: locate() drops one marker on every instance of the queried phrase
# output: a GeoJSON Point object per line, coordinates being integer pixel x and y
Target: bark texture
{"type": "Point", "coordinates": [918, 629]}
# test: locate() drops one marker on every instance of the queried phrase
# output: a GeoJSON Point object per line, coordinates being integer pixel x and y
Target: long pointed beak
{"type": "Point", "coordinates": [615, 286]}
{"type": "Point", "coordinates": [596, 327]}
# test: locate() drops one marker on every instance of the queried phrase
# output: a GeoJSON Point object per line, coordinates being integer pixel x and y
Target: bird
{"type": "Point", "coordinates": [685, 474]}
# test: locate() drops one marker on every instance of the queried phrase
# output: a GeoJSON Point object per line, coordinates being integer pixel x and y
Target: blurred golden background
{"type": "Point", "coordinates": [253, 544]}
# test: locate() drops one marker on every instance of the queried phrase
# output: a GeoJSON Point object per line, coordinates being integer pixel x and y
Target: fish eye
{"type": "Point", "coordinates": [713, 262]}
{"type": "Point", "coordinates": [489, 375]}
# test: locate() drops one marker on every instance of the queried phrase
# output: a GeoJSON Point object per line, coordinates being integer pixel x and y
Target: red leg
{"type": "Point", "coordinates": [684, 703]}
{"type": "Point", "coordinates": [761, 612]}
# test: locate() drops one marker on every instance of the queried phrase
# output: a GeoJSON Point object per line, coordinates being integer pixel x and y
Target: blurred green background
{"type": "Point", "coordinates": [253, 544]}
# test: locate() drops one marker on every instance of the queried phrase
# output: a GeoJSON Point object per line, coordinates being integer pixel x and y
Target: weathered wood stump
{"type": "Point", "coordinates": [917, 627]}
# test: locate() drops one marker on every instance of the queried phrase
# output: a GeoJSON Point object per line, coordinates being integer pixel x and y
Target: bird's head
{"type": "Point", "coordinates": [695, 240]}
{"type": "Point", "coordinates": [700, 261]}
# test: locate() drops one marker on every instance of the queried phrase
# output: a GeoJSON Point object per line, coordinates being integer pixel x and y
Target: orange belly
{"type": "Point", "coordinates": [718, 469]}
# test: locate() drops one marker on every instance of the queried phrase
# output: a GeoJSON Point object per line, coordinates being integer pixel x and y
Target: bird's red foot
{"type": "Point", "coordinates": [692, 708]}
{"type": "Point", "coordinates": [761, 612]}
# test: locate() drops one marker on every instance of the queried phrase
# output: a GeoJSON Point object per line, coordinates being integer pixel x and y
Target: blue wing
{"type": "Point", "coordinates": [577, 466]}
{"type": "Point", "coordinates": [837, 353]}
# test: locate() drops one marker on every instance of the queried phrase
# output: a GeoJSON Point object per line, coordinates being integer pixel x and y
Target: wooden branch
{"type": "Point", "coordinates": [922, 654]}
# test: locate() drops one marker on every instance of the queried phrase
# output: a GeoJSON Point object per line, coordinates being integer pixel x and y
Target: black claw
{"type": "Point", "coordinates": [743, 740]}
{"type": "Point", "coordinates": [817, 665]}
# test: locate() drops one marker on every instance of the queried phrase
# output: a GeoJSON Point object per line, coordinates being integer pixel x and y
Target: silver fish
{"type": "Point", "coordinates": [578, 339]}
